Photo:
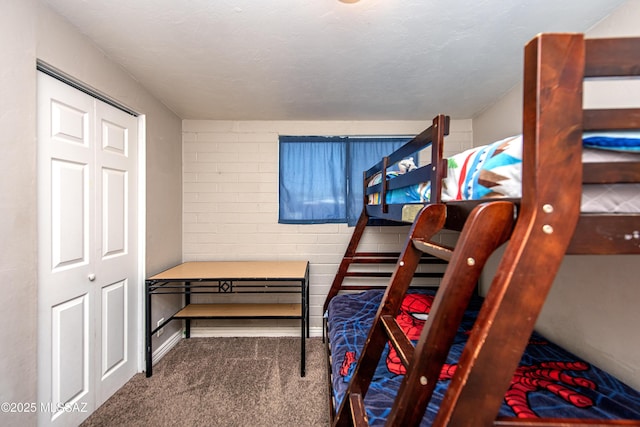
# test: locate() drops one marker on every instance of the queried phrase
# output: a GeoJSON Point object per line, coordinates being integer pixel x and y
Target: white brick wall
{"type": "Point", "coordinates": [230, 186]}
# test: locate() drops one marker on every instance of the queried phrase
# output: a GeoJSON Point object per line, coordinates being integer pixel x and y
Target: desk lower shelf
{"type": "Point", "coordinates": [255, 311]}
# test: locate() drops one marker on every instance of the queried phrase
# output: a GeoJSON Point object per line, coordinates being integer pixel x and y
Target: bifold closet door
{"type": "Point", "coordinates": [87, 251]}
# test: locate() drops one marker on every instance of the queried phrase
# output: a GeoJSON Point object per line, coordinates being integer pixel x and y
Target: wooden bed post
{"type": "Point", "coordinates": [440, 128]}
{"type": "Point", "coordinates": [552, 128]}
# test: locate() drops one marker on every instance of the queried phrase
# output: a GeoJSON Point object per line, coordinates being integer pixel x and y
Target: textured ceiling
{"type": "Point", "coordinates": [323, 59]}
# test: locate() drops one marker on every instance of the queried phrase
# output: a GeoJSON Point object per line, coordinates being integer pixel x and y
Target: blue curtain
{"type": "Point", "coordinates": [312, 180]}
{"type": "Point", "coordinates": [321, 177]}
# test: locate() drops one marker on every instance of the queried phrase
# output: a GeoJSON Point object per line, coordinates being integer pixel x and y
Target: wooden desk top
{"type": "Point", "coordinates": [237, 270]}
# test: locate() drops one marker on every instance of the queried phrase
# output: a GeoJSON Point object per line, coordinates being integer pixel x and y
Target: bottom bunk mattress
{"type": "Point", "coordinates": [550, 382]}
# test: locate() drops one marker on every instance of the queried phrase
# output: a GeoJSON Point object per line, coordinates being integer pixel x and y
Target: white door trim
{"type": "Point", "coordinates": [142, 234]}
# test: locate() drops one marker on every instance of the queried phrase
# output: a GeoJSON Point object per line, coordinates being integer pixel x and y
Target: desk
{"type": "Point", "coordinates": [224, 277]}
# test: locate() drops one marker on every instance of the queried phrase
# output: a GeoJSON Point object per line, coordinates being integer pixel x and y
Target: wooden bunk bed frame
{"type": "Point", "coordinates": [432, 137]}
{"type": "Point", "coordinates": [541, 227]}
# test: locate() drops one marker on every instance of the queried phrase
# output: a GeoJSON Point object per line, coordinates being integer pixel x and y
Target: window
{"type": "Point", "coordinates": [321, 177]}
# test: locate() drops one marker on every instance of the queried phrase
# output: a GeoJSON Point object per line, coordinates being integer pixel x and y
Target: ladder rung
{"type": "Point", "coordinates": [389, 274]}
{"type": "Point", "coordinates": [358, 412]}
{"type": "Point", "coordinates": [402, 344]}
{"type": "Point", "coordinates": [440, 251]}
{"type": "Point", "coordinates": [385, 258]}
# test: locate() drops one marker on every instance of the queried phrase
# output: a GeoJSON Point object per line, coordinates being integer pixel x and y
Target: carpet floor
{"type": "Point", "coordinates": [225, 382]}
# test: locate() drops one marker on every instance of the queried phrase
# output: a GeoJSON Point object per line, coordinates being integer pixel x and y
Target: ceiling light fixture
{"type": "Point", "coordinates": [349, 1]}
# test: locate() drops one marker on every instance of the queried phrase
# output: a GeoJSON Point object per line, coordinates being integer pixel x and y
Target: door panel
{"type": "Point", "coordinates": [70, 352]}
{"type": "Point", "coordinates": [115, 138]}
{"type": "Point", "coordinates": [114, 207]}
{"type": "Point", "coordinates": [70, 124]}
{"type": "Point", "coordinates": [69, 209]}
{"type": "Point", "coordinates": [87, 250]}
{"type": "Point", "coordinates": [114, 327]}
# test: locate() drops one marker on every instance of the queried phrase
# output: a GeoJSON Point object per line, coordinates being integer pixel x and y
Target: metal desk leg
{"type": "Point", "coordinates": [302, 334]}
{"type": "Point", "coordinates": [306, 287]}
{"type": "Point", "coordinates": [147, 338]}
{"type": "Point", "coordinates": [304, 321]}
{"type": "Point", "coordinates": [302, 345]}
{"type": "Point", "coordinates": [187, 301]}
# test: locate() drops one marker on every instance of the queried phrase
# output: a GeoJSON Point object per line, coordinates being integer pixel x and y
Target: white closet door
{"type": "Point", "coordinates": [87, 255]}
{"type": "Point", "coordinates": [116, 248]}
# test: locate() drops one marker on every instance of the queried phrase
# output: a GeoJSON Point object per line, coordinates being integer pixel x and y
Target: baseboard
{"type": "Point", "coordinates": [166, 346]}
{"type": "Point", "coordinates": [253, 331]}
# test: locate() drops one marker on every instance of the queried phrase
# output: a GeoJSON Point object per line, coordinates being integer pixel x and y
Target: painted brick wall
{"type": "Point", "coordinates": [230, 197]}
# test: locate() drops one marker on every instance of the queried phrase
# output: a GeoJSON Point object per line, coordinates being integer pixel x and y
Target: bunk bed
{"type": "Point", "coordinates": [448, 356]}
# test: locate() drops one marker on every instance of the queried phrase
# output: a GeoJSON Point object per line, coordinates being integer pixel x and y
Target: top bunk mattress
{"type": "Point", "coordinates": [495, 171]}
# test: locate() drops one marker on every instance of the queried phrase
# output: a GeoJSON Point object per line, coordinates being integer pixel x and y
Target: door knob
{"type": "Point", "coordinates": [92, 277]}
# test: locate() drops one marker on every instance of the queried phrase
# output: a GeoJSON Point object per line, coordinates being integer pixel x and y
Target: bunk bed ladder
{"type": "Point", "coordinates": [347, 259]}
{"type": "Point", "coordinates": [424, 362]}
{"type": "Point", "coordinates": [352, 257]}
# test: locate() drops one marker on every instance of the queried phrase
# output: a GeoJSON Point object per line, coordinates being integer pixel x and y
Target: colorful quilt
{"type": "Point", "coordinates": [494, 170]}
{"type": "Point", "coordinates": [489, 171]}
{"type": "Point", "coordinates": [550, 381]}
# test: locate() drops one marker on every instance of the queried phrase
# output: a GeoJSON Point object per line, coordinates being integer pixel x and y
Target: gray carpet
{"type": "Point", "coordinates": [225, 382]}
